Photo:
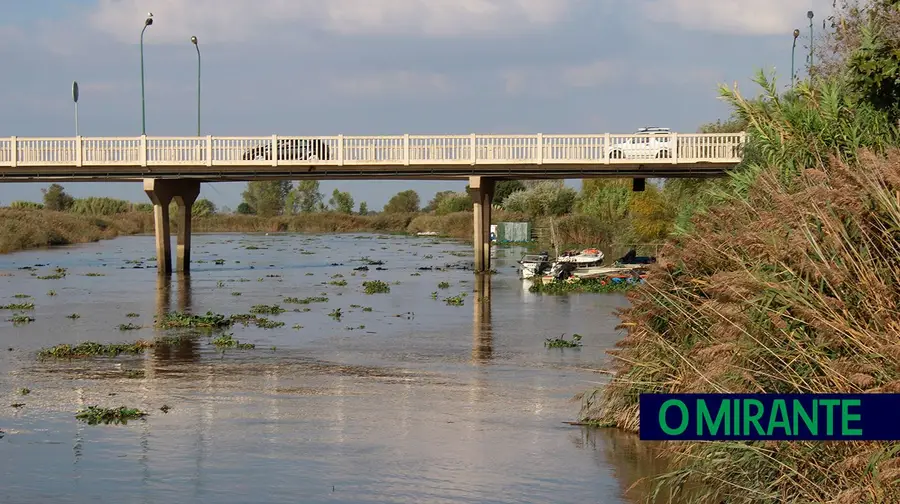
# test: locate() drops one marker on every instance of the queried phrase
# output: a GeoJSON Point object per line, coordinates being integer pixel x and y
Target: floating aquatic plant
{"type": "Point", "coordinates": [94, 415]}
{"type": "Point", "coordinates": [376, 287]}
{"type": "Point", "coordinates": [561, 342]}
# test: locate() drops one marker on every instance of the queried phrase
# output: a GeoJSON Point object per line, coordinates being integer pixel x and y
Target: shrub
{"type": "Point", "coordinates": [542, 199]}
{"type": "Point", "coordinates": [26, 205]}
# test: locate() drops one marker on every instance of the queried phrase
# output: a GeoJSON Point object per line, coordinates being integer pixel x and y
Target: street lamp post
{"type": "Point", "coordinates": [810, 15]}
{"type": "Point", "coordinates": [197, 46]}
{"type": "Point", "coordinates": [147, 22]}
{"type": "Point", "coordinates": [794, 50]}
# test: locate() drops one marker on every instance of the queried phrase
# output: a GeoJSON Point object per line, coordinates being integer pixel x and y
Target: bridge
{"type": "Point", "coordinates": [172, 168]}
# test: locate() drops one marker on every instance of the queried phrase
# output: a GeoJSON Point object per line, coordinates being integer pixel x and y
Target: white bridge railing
{"type": "Point", "coordinates": [344, 150]}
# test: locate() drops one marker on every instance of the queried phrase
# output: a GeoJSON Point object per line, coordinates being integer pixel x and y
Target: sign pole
{"type": "Point", "coordinates": [75, 99]}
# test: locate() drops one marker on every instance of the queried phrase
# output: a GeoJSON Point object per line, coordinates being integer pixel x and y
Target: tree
{"type": "Point", "coordinates": [363, 208]}
{"type": "Point", "coordinates": [504, 188]}
{"type": "Point", "coordinates": [56, 198]}
{"type": "Point", "coordinates": [245, 209]}
{"type": "Point", "coordinates": [543, 199]}
{"type": "Point", "coordinates": [652, 217]}
{"type": "Point", "coordinates": [267, 198]}
{"type": "Point", "coordinates": [403, 202]}
{"type": "Point", "coordinates": [436, 200]}
{"type": "Point", "coordinates": [307, 197]}
{"type": "Point", "coordinates": [341, 202]}
{"type": "Point", "coordinates": [607, 199]}
{"type": "Point", "coordinates": [203, 207]}
{"type": "Point", "coordinates": [456, 202]}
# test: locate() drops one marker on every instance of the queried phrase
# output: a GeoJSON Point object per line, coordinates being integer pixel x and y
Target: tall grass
{"type": "Point", "coordinates": [791, 285]}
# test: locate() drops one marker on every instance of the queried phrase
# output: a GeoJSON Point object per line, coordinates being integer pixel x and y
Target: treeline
{"type": "Point", "coordinates": [604, 212]}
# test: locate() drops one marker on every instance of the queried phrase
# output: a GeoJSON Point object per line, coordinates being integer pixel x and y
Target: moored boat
{"type": "Point", "coordinates": [535, 264]}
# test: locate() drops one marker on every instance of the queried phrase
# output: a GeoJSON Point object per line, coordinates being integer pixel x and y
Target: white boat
{"type": "Point", "coordinates": [533, 265]}
{"type": "Point", "coordinates": [588, 262]}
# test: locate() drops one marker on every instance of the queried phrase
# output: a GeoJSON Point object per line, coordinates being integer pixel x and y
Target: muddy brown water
{"type": "Point", "coordinates": [412, 401]}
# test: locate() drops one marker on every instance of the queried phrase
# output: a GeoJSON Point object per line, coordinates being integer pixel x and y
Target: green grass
{"type": "Point", "coordinates": [308, 300]}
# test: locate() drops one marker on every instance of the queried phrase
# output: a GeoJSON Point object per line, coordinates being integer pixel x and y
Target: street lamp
{"type": "Point", "coordinates": [810, 15]}
{"type": "Point", "coordinates": [793, 50]}
{"type": "Point", "coordinates": [197, 46]}
{"type": "Point", "coordinates": [147, 22]}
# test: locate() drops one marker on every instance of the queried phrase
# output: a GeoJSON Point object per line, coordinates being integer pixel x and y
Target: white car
{"type": "Point", "coordinates": [652, 143]}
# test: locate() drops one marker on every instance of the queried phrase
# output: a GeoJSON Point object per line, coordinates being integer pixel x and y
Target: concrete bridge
{"type": "Point", "coordinates": [172, 168]}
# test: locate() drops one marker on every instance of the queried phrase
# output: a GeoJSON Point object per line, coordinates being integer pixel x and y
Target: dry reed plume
{"type": "Point", "coordinates": [788, 291]}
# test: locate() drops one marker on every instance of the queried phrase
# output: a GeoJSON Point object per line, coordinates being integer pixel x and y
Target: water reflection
{"type": "Point", "coordinates": [185, 349]}
{"type": "Point", "coordinates": [482, 335]}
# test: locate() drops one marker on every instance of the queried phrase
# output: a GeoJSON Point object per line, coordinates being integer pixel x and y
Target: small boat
{"type": "Point", "coordinates": [587, 262]}
{"type": "Point", "coordinates": [535, 264]}
{"type": "Point", "coordinates": [631, 259]}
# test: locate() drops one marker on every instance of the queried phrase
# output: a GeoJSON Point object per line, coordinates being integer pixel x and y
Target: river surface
{"type": "Point", "coordinates": [404, 398]}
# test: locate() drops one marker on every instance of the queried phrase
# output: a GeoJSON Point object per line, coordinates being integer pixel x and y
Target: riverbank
{"type": "Point", "coordinates": [30, 228]}
{"type": "Point", "coordinates": [25, 229]}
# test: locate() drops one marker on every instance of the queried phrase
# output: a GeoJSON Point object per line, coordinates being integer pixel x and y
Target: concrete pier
{"type": "Point", "coordinates": [482, 190]}
{"type": "Point", "coordinates": [162, 192]}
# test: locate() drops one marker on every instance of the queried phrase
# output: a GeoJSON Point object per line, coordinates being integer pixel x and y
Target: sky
{"type": "Point", "coordinates": [369, 67]}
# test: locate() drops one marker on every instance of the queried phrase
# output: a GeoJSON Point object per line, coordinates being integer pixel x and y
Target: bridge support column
{"type": "Point", "coordinates": [482, 189]}
{"type": "Point", "coordinates": [162, 192]}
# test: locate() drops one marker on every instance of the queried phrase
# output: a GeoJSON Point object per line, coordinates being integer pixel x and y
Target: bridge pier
{"type": "Point", "coordinates": [162, 192]}
{"type": "Point", "coordinates": [482, 190]}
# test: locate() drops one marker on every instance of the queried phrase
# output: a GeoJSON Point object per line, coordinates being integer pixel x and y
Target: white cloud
{"type": "Point", "coordinates": [256, 20]}
{"type": "Point", "coordinates": [737, 17]}
{"type": "Point", "coordinates": [403, 83]}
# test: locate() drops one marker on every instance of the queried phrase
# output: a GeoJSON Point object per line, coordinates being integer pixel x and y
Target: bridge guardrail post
{"type": "Point", "coordinates": [340, 149]}
{"type": "Point", "coordinates": [674, 154]}
{"type": "Point", "coordinates": [143, 154]}
{"type": "Point", "coordinates": [209, 150]}
{"type": "Point", "coordinates": [274, 150]}
{"type": "Point", "coordinates": [539, 158]}
{"type": "Point", "coordinates": [473, 152]}
{"type": "Point", "coordinates": [79, 151]}
{"type": "Point", "coordinates": [13, 151]}
{"type": "Point", "coordinates": [406, 149]}
{"type": "Point", "coordinates": [607, 140]}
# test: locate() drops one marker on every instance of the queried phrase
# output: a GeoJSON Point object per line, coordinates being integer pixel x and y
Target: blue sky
{"type": "Point", "coordinates": [325, 67]}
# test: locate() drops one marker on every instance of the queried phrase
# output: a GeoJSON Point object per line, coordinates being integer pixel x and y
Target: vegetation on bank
{"type": "Point", "coordinates": [788, 283]}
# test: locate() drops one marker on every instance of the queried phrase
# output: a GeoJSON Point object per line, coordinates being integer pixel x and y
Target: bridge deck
{"type": "Point", "coordinates": [369, 157]}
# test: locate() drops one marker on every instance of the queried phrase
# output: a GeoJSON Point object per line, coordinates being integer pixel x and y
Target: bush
{"type": "Point", "coordinates": [403, 202]}
{"type": "Point", "coordinates": [55, 198]}
{"type": "Point", "coordinates": [203, 208]}
{"type": "Point", "coordinates": [452, 203]}
{"type": "Point", "coordinates": [26, 205]}
{"type": "Point", "coordinates": [542, 199]}
{"type": "Point", "coordinates": [100, 206]}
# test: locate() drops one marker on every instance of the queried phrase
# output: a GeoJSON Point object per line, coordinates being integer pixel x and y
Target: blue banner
{"type": "Point", "coordinates": [775, 417]}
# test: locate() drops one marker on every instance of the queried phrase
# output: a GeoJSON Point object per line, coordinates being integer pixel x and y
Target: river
{"type": "Point", "coordinates": [404, 398]}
